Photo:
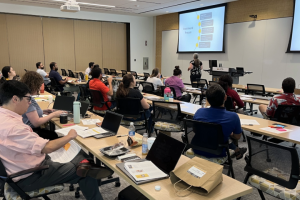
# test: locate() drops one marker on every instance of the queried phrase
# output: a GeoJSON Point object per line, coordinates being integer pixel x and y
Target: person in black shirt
{"type": "Point", "coordinates": [126, 90]}
{"type": "Point", "coordinates": [195, 68]}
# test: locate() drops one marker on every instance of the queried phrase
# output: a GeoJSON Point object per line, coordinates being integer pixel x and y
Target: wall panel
{"type": "Point", "coordinates": [114, 45]}
{"type": "Point", "coordinates": [4, 55]}
{"type": "Point", "coordinates": [59, 43]}
{"type": "Point", "coordinates": [88, 43]}
{"type": "Point", "coordinates": [25, 41]}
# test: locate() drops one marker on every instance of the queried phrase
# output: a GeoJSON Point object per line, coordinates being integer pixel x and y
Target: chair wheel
{"type": "Point", "coordinates": [77, 195]}
{"type": "Point", "coordinates": [117, 184]}
{"type": "Point", "coordinates": [71, 187]}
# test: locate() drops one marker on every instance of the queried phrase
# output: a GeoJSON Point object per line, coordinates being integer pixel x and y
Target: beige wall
{"type": "Point", "coordinates": [72, 44]}
{"type": "Point", "coordinates": [237, 11]}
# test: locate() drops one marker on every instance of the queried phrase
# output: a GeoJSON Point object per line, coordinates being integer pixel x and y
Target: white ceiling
{"type": "Point", "coordinates": [138, 7]}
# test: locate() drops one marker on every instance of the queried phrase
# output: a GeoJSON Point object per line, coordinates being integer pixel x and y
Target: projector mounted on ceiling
{"type": "Point", "coordinates": [70, 6]}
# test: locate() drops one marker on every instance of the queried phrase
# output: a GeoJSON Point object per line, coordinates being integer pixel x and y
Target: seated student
{"type": "Point", "coordinates": [22, 149]}
{"type": "Point", "coordinates": [34, 114]}
{"type": "Point", "coordinates": [287, 98]}
{"type": "Point", "coordinates": [88, 70]}
{"type": "Point", "coordinates": [40, 69]}
{"type": "Point", "coordinates": [175, 82]}
{"type": "Point", "coordinates": [96, 84]}
{"type": "Point", "coordinates": [54, 74]}
{"type": "Point", "coordinates": [155, 78]}
{"type": "Point", "coordinates": [217, 113]}
{"type": "Point", "coordinates": [8, 73]}
{"type": "Point", "coordinates": [126, 89]}
{"type": "Point", "coordinates": [226, 82]}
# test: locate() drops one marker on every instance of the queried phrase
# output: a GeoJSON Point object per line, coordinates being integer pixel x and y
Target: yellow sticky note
{"type": "Point", "coordinates": [199, 24]}
{"type": "Point", "coordinates": [141, 175]}
{"type": "Point", "coordinates": [199, 30]}
{"type": "Point", "coordinates": [67, 146]}
{"type": "Point", "coordinates": [198, 37]}
{"type": "Point", "coordinates": [198, 17]}
{"type": "Point", "coordinates": [196, 44]}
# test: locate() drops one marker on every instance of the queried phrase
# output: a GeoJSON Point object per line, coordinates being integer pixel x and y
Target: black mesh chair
{"type": "Point", "coordinates": [271, 168]}
{"type": "Point", "coordinates": [254, 89]}
{"type": "Point", "coordinates": [71, 74]}
{"type": "Point", "coordinates": [124, 72]}
{"type": "Point", "coordinates": [167, 116]}
{"type": "Point", "coordinates": [212, 83]}
{"type": "Point", "coordinates": [97, 99]}
{"type": "Point", "coordinates": [81, 75]}
{"type": "Point", "coordinates": [209, 138]}
{"type": "Point", "coordinates": [84, 93]}
{"type": "Point", "coordinates": [55, 87]}
{"type": "Point", "coordinates": [76, 75]}
{"type": "Point", "coordinates": [64, 72]}
{"type": "Point", "coordinates": [106, 71]}
{"type": "Point", "coordinates": [134, 74]}
{"type": "Point", "coordinates": [146, 75]}
{"type": "Point", "coordinates": [147, 87]}
{"type": "Point", "coordinates": [131, 109]}
{"type": "Point", "coordinates": [10, 188]}
{"type": "Point", "coordinates": [113, 72]}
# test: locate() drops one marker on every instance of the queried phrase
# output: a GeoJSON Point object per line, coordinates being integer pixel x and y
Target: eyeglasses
{"type": "Point", "coordinates": [29, 98]}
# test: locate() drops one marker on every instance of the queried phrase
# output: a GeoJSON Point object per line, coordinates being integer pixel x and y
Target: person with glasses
{"type": "Point", "coordinates": [22, 149]}
{"type": "Point", "coordinates": [33, 117]}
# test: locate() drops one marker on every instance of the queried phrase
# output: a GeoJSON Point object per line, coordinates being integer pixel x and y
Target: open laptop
{"type": "Point", "coordinates": [111, 124]}
{"type": "Point", "coordinates": [164, 153]}
{"type": "Point", "coordinates": [64, 103]}
{"type": "Point", "coordinates": [84, 108]}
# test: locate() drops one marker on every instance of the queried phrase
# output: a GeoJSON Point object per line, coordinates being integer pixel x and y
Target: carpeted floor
{"type": "Point", "coordinates": [110, 192]}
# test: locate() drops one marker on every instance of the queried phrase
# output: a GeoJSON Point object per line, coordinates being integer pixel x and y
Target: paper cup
{"type": "Point", "coordinates": [150, 141]}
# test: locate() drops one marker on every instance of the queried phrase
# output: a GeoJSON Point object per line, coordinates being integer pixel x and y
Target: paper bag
{"type": "Point", "coordinates": [197, 175]}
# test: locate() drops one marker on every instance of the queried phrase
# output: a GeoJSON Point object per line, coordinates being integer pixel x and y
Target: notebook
{"type": "Point", "coordinates": [164, 154]}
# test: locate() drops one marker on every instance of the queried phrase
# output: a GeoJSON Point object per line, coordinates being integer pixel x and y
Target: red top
{"type": "Point", "coordinates": [281, 99]}
{"type": "Point", "coordinates": [96, 84]}
{"type": "Point", "coordinates": [235, 97]}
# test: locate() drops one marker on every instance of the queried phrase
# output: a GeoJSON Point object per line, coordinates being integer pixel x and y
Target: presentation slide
{"type": "Point", "coordinates": [202, 30]}
{"type": "Point", "coordinates": [295, 41]}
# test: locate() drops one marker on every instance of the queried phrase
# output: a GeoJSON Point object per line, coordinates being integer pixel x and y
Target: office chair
{"type": "Point", "coordinates": [272, 168]}
{"type": "Point", "coordinates": [113, 72]}
{"type": "Point", "coordinates": [11, 190]}
{"type": "Point", "coordinates": [146, 75]}
{"type": "Point", "coordinates": [254, 89]}
{"type": "Point", "coordinates": [71, 74]}
{"type": "Point", "coordinates": [64, 72]}
{"type": "Point", "coordinates": [97, 99]}
{"type": "Point", "coordinates": [209, 138]}
{"type": "Point", "coordinates": [124, 72]}
{"type": "Point", "coordinates": [147, 87]}
{"type": "Point", "coordinates": [106, 71]}
{"type": "Point", "coordinates": [81, 75]}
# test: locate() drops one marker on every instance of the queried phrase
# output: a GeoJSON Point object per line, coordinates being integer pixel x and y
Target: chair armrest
{"type": "Point", "coordinates": [27, 171]}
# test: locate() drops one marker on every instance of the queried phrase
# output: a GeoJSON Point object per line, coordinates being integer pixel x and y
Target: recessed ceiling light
{"type": "Point", "coordinates": [90, 4]}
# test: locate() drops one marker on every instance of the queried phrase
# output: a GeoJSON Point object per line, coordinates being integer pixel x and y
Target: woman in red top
{"type": "Point", "coordinates": [226, 82]}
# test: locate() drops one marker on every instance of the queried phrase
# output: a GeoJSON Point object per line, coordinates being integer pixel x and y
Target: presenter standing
{"type": "Point", "coordinates": [195, 68]}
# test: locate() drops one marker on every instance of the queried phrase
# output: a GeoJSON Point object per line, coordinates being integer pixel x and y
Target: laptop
{"type": "Point", "coordinates": [111, 124]}
{"type": "Point", "coordinates": [84, 108]}
{"type": "Point", "coordinates": [64, 103]}
{"type": "Point", "coordinates": [164, 153]}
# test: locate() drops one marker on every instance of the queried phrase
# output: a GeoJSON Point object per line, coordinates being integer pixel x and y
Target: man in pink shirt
{"type": "Point", "coordinates": [22, 149]}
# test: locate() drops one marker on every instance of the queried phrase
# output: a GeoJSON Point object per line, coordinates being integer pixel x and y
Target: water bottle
{"type": "Point", "coordinates": [79, 80]}
{"type": "Point", "coordinates": [145, 144]}
{"type": "Point", "coordinates": [131, 129]}
{"type": "Point", "coordinates": [171, 99]}
{"type": "Point", "coordinates": [203, 103]}
{"type": "Point", "coordinates": [167, 93]}
{"type": "Point", "coordinates": [86, 77]}
{"type": "Point", "coordinates": [76, 112]}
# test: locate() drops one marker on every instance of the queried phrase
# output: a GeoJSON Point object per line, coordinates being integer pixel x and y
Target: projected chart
{"type": "Point", "coordinates": [201, 30]}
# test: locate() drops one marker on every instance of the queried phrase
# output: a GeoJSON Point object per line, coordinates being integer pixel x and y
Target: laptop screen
{"type": "Point", "coordinates": [84, 107]}
{"type": "Point", "coordinates": [240, 70]}
{"type": "Point", "coordinates": [111, 122]}
{"type": "Point", "coordinates": [64, 103]}
{"type": "Point", "coordinates": [165, 152]}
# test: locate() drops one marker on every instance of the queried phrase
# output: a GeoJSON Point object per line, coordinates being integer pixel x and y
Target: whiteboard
{"type": "Point", "coordinates": [258, 46]}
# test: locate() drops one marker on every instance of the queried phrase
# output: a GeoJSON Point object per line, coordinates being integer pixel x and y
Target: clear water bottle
{"type": "Point", "coordinates": [171, 98]}
{"type": "Point", "coordinates": [203, 103]}
{"type": "Point", "coordinates": [131, 129]}
{"type": "Point", "coordinates": [145, 144]}
{"type": "Point", "coordinates": [79, 80]}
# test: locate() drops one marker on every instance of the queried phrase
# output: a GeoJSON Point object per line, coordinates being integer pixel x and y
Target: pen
{"type": "Point", "coordinates": [68, 124]}
{"type": "Point", "coordinates": [121, 135]}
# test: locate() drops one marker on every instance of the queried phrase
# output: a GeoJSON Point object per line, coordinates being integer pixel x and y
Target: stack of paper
{"type": "Point", "coordinates": [66, 153]}
{"type": "Point", "coordinates": [90, 121]}
{"type": "Point", "coordinates": [79, 129]}
{"type": "Point", "coordinates": [142, 171]}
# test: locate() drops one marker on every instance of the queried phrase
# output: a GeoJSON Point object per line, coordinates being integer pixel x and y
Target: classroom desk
{"type": "Point", "coordinates": [74, 81]}
{"type": "Point", "coordinates": [267, 90]}
{"type": "Point", "coordinates": [228, 189]}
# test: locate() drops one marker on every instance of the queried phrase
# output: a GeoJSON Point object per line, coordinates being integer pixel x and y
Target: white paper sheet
{"type": "Point", "coordinates": [248, 121]}
{"type": "Point", "coordinates": [66, 153]}
{"type": "Point", "coordinates": [245, 98]}
{"type": "Point", "coordinates": [90, 121]}
{"type": "Point", "coordinates": [65, 131]}
{"type": "Point", "coordinates": [273, 130]}
{"type": "Point", "coordinates": [144, 170]}
{"type": "Point", "coordinates": [91, 132]}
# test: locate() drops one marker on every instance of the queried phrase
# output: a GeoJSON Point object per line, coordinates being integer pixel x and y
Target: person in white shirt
{"type": "Point", "coordinates": [41, 71]}
{"type": "Point", "coordinates": [155, 78]}
{"type": "Point", "coordinates": [89, 69]}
